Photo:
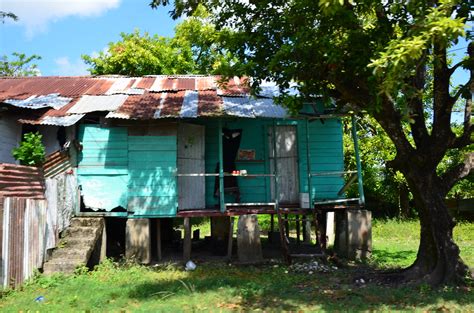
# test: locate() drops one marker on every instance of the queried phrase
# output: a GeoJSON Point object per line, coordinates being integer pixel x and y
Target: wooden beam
{"type": "Point", "coordinates": [158, 239]}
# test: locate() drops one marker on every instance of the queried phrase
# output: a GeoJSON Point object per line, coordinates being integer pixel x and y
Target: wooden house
{"type": "Point", "coordinates": [183, 146]}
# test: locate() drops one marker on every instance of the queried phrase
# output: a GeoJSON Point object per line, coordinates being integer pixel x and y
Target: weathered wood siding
{"type": "Point", "coordinates": [10, 137]}
{"type": "Point", "coordinates": [103, 166]}
{"type": "Point", "coordinates": [286, 144]}
{"type": "Point", "coordinates": [326, 154]}
{"type": "Point", "coordinates": [191, 190]}
{"type": "Point", "coordinates": [152, 181]}
{"type": "Point", "coordinates": [25, 231]}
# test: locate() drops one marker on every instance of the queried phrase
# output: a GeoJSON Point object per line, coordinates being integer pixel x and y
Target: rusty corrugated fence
{"type": "Point", "coordinates": [24, 227]}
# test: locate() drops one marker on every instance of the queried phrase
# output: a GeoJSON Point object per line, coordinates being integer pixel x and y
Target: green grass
{"type": "Point", "coordinates": [219, 287]}
{"type": "Point", "coordinates": [395, 242]}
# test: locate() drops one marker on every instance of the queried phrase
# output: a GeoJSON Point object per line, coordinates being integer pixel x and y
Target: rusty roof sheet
{"type": "Point", "coordinates": [67, 120]}
{"type": "Point", "coordinates": [141, 98]}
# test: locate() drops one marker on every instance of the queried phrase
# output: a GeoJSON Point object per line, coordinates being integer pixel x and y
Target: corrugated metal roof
{"type": "Point", "coordinates": [67, 120]}
{"type": "Point", "coordinates": [89, 104]}
{"type": "Point", "coordinates": [141, 98]}
{"type": "Point", "coordinates": [40, 102]}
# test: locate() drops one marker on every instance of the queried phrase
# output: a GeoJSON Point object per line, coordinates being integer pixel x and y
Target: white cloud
{"type": "Point", "coordinates": [64, 67]}
{"type": "Point", "coordinates": [35, 15]}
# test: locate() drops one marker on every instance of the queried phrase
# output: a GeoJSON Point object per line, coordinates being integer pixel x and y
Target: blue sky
{"type": "Point", "coordinates": [61, 30]}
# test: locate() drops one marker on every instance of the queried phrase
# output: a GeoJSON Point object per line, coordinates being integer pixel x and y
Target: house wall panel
{"type": "Point", "coordinates": [10, 137]}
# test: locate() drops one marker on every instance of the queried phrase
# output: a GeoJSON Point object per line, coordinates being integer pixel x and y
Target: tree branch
{"type": "Point", "coordinates": [415, 104]}
{"type": "Point", "coordinates": [455, 67]}
{"type": "Point", "coordinates": [450, 177]}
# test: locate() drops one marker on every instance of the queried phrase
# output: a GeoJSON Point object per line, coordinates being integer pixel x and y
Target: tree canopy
{"type": "Point", "coordinates": [21, 65]}
{"type": "Point", "coordinates": [375, 57]}
{"type": "Point", "coordinates": [193, 50]}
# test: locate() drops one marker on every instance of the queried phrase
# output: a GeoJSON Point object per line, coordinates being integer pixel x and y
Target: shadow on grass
{"type": "Point", "coordinates": [395, 257]}
{"type": "Point", "coordinates": [272, 289]}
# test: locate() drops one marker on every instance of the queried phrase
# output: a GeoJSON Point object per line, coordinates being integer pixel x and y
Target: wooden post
{"type": "Point", "coordinates": [158, 239]}
{"type": "Point", "coordinates": [306, 229]}
{"type": "Point", "coordinates": [359, 167]}
{"type": "Point", "coordinates": [297, 229]}
{"type": "Point", "coordinates": [187, 239]}
{"type": "Point", "coordinates": [275, 168]}
{"type": "Point", "coordinates": [221, 169]}
{"type": "Point", "coordinates": [308, 167]}
{"type": "Point", "coordinates": [231, 239]}
{"type": "Point", "coordinates": [272, 227]}
{"type": "Point", "coordinates": [287, 227]}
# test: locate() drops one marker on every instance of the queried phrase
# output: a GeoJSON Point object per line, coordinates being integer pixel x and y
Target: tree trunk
{"type": "Point", "coordinates": [438, 261]}
{"type": "Point", "coordinates": [404, 198]}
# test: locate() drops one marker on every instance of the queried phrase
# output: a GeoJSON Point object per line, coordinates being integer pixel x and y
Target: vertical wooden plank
{"type": "Point", "coordinates": [285, 162]}
{"type": "Point", "coordinates": [308, 165]}
{"type": "Point", "coordinates": [221, 168]}
{"type": "Point", "coordinates": [230, 239]}
{"type": "Point", "coordinates": [187, 239]}
{"type": "Point", "coordinates": [359, 167]}
{"type": "Point", "coordinates": [297, 222]}
{"type": "Point", "coordinates": [191, 146]}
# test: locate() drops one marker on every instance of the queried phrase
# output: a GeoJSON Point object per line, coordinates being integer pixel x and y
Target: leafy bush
{"type": "Point", "coordinates": [31, 150]}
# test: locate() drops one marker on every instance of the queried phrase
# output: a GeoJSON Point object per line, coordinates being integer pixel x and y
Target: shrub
{"type": "Point", "coordinates": [31, 150]}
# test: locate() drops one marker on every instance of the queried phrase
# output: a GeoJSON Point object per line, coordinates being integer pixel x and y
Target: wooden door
{"type": "Point", "coordinates": [286, 163]}
{"type": "Point", "coordinates": [191, 189]}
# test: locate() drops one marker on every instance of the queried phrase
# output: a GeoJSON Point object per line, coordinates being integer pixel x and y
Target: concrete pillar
{"type": "Point", "coordinates": [359, 230]}
{"type": "Point", "coordinates": [249, 248]}
{"type": "Point", "coordinates": [354, 234]}
{"type": "Point", "coordinates": [306, 229]}
{"type": "Point", "coordinates": [330, 228]}
{"type": "Point", "coordinates": [138, 240]}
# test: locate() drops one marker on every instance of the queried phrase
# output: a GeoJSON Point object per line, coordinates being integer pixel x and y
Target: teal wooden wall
{"type": "Point", "coordinates": [134, 172]}
{"type": "Point", "coordinates": [326, 155]}
{"type": "Point", "coordinates": [152, 188]}
{"type": "Point", "coordinates": [326, 151]}
{"type": "Point", "coordinates": [253, 137]}
{"type": "Point", "coordinates": [138, 172]}
{"type": "Point", "coordinates": [103, 166]}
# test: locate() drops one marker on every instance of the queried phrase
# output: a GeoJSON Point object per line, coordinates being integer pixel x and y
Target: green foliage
{"type": "Point", "coordinates": [31, 150]}
{"type": "Point", "coordinates": [138, 55]}
{"type": "Point", "coordinates": [193, 50]}
{"type": "Point", "coordinates": [19, 66]}
{"type": "Point", "coordinates": [216, 286]}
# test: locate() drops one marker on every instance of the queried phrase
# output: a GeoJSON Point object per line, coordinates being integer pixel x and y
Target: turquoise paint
{"type": "Point", "coordinates": [326, 151]}
{"type": "Point", "coordinates": [102, 171]}
{"type": "Point", "coordinates": [138, 172]}
{"type": "Point", "coordinates": [134, 172]}
{"type": "Point", "coordinates": [152, 188]}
